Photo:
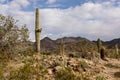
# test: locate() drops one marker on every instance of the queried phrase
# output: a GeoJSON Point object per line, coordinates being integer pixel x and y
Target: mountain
{"type": "Point", "coordinates": [112, 43]}
{"type": "Point", "coordinates": [48, 44]}
{"type": "Point", "coordinates": [68, 40]}
{"type": "Point", "coordinates": [72, 44]}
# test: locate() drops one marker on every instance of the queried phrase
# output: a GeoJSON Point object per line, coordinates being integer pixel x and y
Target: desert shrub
{"type": "Point", "coordinates": [85, 55]}
{"type": "Point", "coordinates": [58, 63]}
{"type": "Point", "coordinates": [111, 53]}
{"type": "Point", "coordinates": [83, 64]}
{"type": "Point", "coordinates": [72, 54]}
{"type": "Point", "coordinates": [86, 46]}
{"type": "Point", "coordinates": [23, 73]}
{"type": "Point", "coordinates": [100, 77]}
{"type": "Point", "coordinates": [28, 72]}
{"type": "Point", "coordinates": [2, 77]}
{"type": "Point", "coordinates": [29, 52]}
{"type": "Point", "coordinates": [77, 54]}
{"type": "Point", "coordinates": [96, 61]}
{"type": "Point", "coordinates": [3, 69]}
{"type": "Point", "coordinates": [46, 52]}
{"type": "Point", "coordinates": [13, 39]}
{"type": "Point", "coordinates": [66, 75]}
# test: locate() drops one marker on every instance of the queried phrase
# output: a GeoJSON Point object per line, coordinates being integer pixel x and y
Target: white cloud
{"type": "Point", "coordinates": [18, 4]}
{"type": "Point", "coordinates": [2, 1]}
{"type": "Point", "coordinates": [14, 7]}
{"type": "Point", "coordinates": [90, 20]}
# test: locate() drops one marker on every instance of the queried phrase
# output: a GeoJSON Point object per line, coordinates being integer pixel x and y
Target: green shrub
{"type": "Point", "coordinates": [1, 73]}
{"type": "Point", "coordinates": [96, 61]}
{"type": "Point", "coordinates": [66, 75]}
{"type": "Point", "coordinates": [28, 72]}
{"type": "Point", "coordinates": [83, 64]}
{"type": "Point", "coordinates": [59, 63]}
{"type": "Point", "coordinates": [100, 77]}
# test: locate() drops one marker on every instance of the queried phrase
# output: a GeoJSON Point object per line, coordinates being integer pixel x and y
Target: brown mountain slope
{"type": "Point", "coordinates": [72, 44]}
{"type": "Point", "coordinates": [112, 43]}
{"type": "Point", "coordinates": [48, 44]}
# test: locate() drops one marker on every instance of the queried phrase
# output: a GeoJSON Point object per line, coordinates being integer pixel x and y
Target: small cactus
{"type": "Point", "coordinates": [116, 50]}
{"type": "Point", "coordinates": [37, 31]}
{"type": "Point", "coordinates": [99, 45]}
{"type": "Point", "coordinates": [62, 47]}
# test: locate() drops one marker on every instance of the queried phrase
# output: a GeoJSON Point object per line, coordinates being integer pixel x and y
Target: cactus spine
{"type": "Point", "coordinates": [62, 47]}
{"type": "Point", "coordinates": [99, 45]}
{"type": "Point", "coordinates": [37, 31]}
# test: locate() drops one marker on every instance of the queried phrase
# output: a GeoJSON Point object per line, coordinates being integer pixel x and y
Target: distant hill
{"type": "Point", "coordinates": [112, 43]}
{"type": "Point", "coordinates": [72, 44]}
{"type": "Point", "coordinates": [49, 44]}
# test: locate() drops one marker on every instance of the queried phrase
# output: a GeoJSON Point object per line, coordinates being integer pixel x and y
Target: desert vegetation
{"type": "Point", "coordinates": [68, 58]}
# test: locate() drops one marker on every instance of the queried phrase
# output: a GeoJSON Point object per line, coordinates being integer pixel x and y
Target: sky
{"type": "Point", "coordinates": [91, 19]}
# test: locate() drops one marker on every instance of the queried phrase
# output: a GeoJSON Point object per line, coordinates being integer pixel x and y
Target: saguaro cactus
{"type": "Point", "coordinates": [62, 47]}
{"type": "Point", "coordinates": [37, 30]}
{"type": "Point", "coordinates": [99, 45]}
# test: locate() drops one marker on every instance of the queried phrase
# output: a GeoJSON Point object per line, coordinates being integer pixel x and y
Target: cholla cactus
{"type": "Point", "coordinates": [62, 47]}
{"type": "Point", "coordinates": [99, 45]}
{"type": "Point", "coordinates": [37, 31]}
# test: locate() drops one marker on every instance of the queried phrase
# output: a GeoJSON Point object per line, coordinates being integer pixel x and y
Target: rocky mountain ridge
{"type": "Point", "coordinates": [76, 44]}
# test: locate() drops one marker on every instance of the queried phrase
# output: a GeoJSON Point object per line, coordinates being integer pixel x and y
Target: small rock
{"type": "Point", "coordinates": [56, 69]}
{"type": "Point", "coordinates": [103, 67]}
{"type": "Point", "coordinates": [50, 71]}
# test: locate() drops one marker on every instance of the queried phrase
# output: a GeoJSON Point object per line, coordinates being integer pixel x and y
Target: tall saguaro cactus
{"type": "Point", "coordinates": [99, 45]}
{"type": "Point", "coordinates": [37, 30]}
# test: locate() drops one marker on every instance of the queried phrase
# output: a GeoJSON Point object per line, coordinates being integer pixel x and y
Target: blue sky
{"type": "Point", "coordinates": [62, 4]}
{"type": "Point", "coordinates": [86, 18]}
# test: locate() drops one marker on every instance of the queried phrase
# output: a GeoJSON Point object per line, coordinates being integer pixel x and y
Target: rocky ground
{"type": "Point", "coordinates": [56, 67]}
